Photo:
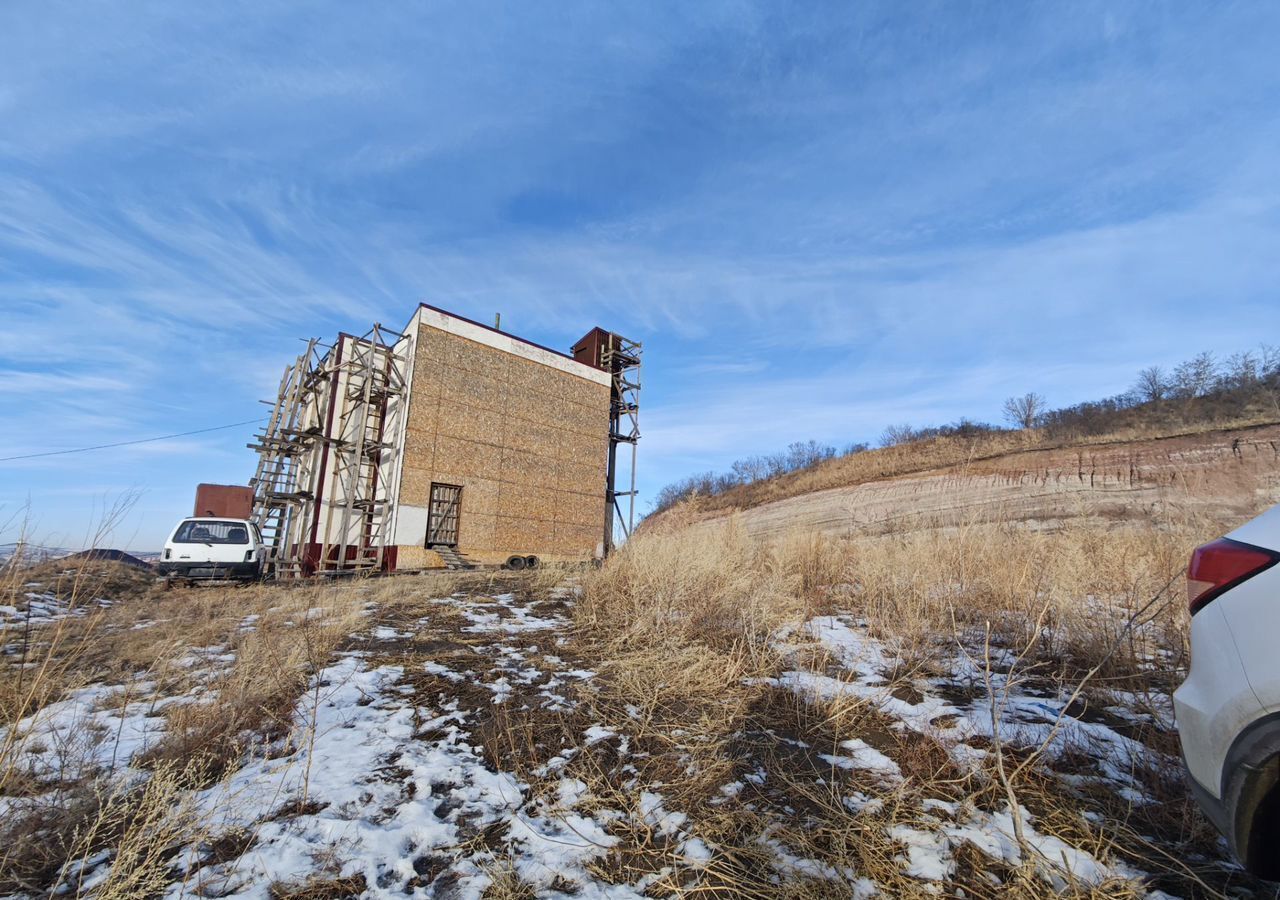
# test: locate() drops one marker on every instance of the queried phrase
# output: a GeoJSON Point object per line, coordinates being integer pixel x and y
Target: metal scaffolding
{"type": "Point", "coordinates": [323, 486]}
{"type": "Point", "coordinates": [283, 452]}
{"type": "Point", "coordinates": [620, 357]}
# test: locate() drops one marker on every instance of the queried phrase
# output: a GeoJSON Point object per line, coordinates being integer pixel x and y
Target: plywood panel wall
{"type": "Point", "coordinates": [526, 442]}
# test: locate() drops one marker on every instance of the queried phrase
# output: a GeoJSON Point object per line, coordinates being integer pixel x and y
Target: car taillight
{"type": "Point", "coordinates": [1221, 565]}
{"type": "Point", "coordinates": [167, 552]}
{"type": "Point", "coordinates": [248, 556]}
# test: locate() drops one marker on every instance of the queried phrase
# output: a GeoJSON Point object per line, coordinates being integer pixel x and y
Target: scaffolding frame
{"type": "Point", "coordinates": [283, 453]}
{"type": "Point", "coordinates": [621, 358]}
{"type": "Point", "coordinates": [324, 486]}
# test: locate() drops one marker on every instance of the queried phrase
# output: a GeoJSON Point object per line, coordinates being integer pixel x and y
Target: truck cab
{"type": "Point", "coordinates": [213, 549]}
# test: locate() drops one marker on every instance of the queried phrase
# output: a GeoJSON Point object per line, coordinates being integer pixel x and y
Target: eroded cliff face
{"type": "Point", "coordinates": [1229, 475]}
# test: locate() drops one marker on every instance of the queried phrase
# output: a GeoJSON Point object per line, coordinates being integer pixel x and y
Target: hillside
{"type": "Point", "coordinates": [705, 715]}
{"type": "Point", "coordinates": [1224, 474]}
{"type": "Point", "coordinates": [867, 702]}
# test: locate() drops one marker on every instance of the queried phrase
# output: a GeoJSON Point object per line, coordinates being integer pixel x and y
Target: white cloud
{"type": "Point", "coordinates": [39, 385]}
{"type": "Point", "coordinates": [818, 220]}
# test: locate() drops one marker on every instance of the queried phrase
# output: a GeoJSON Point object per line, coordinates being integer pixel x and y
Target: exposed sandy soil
{"type": "Point", "coordinates": [1226, 474]}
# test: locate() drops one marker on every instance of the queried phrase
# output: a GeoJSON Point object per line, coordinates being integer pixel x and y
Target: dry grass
{"type": "Point", "coordinates": [1073, 591]}
{"type": "Point", "coordinates": [252, 703]}
{"type": "Point", "coordinates": [323, 887]}
{"type": "Point", "coordinates": [141, 825]}
{"type": "Point", "coordinates": [263, 643]}
{"type": "Point", "coordinates": [718, 588]}
{"type": "Point", "coordinates": [241, 661]}
{"type": "Point", "coordinates": [505, 883]}
{"type": "Point", "coordinates": [43, 660]}
{"type": "Point", "coordinates": [685, 619]}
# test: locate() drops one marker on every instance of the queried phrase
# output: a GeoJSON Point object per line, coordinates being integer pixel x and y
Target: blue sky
{"type": "Point", "coordinates": [819, 218]}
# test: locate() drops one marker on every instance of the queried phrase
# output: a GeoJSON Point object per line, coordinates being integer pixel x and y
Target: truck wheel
{"type": "Point", "coordinates": [516, 563]}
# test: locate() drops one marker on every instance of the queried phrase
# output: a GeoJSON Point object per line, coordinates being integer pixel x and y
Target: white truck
{"type": "Point", "coordinates": [213, 549]}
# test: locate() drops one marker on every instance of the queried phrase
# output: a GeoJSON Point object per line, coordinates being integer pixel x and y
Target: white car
{"type": "Point", "coordinates": [1228, 709]}
{"type": "Point", "coordinates": [213, 549]}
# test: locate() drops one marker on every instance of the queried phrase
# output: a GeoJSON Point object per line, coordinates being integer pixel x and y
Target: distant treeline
{"type": "Point", "coordinates": [797, 456]}
{"type": "Point", "coordinates": [1201, 390]}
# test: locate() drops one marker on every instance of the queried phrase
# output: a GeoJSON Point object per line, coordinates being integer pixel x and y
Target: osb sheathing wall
{"type": "Point", "coordinates": [526, 442]}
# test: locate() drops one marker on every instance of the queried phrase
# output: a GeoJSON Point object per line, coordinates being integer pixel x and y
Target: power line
{"type": "Point", "coordinates": [163, 437]}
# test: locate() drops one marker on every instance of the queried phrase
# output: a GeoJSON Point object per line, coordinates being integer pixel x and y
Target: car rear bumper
{"type": "Point", "coordinates": [1215, 703]}
{"type": "Point", "coordinates": [1213, 807]}
{"type": "Point", "coordinates": [1239, 813]}
{"type": "Point", "coordinates": [209, 570]}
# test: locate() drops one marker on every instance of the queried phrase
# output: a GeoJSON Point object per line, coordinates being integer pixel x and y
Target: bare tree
{"type": "Point", "coordinates": [1269, 362]}
{"type": "Point", "coordinates": [1025, 410]}
{"type": "Point", "coordinates": [1152, 385]}
{"type": "Point", "coordinates": [897, 434]}
{"type": "Point", "coordinates": [1269, 366]}
{"type": "Point", "coordinates": [751, 469]}
{"type": "Point", "coordinates": [803, 454]}
{"type": "Point", "coordinates": [1241, 370]}
{"type": "Point", "coordinates": [1195, 377]}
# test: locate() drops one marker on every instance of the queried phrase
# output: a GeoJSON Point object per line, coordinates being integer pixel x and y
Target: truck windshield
{"type": "Point", "coordinates": [195, 531]}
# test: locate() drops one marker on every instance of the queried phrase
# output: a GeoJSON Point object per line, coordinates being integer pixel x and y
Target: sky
{"type": "Point", "coordinates": [819, 219]}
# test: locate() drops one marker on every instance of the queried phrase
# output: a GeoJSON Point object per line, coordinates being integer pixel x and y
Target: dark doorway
{"type": "Point", "coordinates": [442, 523]}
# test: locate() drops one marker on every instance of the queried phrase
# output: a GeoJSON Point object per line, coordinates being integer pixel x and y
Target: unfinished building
{"type": "Point", "coordinates": [449, 443]}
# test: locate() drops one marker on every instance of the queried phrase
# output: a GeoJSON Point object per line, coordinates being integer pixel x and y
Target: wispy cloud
{"type": "Point", "coordinates": [42, 384]}
{"type": "Point", "coordinates": [726, 367]}
{"type": "Point", "coordinates": [818, 219]}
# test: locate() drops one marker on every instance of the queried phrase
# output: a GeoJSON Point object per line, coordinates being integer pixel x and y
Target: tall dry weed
{"type": "Point", "coordinates": [714, 586]}
{"type": "Point", "coordinates": [1068, 612]}
{"type": "Point", "coordinates": [252, 702]}
{"type": "Point", "coordinates": [235, 663]}
{"type": "Point", "coordinates": [1071, 590]}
